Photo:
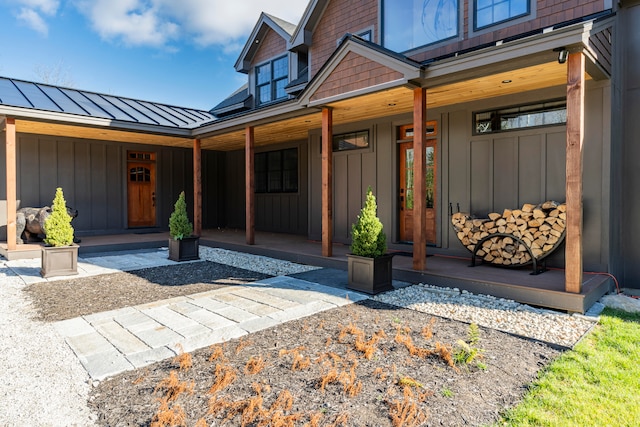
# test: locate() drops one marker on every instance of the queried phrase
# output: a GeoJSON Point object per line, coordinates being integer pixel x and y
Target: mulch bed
{"type": "Point", "coordinates": [66, 299]}
{"type": "Point", "coordinates": [350, 366]}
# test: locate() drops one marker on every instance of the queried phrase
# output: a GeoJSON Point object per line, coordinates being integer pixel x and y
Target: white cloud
{"type": "Point", "coordinates": [158, 23]}
{"type": "Point", "coordinates": [48, 7]}
{"type": "Point", "coordinates": [32, 11]}
{"type": "Point", "coordinates": [134, 22]}
{"type": "Point", "coordinates": [33, 20]}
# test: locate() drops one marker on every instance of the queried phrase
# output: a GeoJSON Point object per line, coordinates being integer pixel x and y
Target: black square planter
{"type": "Point", "coordinates": [186, 249]}
{"type": "Point", "coordinates": [370, 275]}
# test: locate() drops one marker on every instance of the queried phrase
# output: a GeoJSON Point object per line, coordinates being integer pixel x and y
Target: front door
{"type": "Point", "coordinates": [406, 183]}
{"type": "Point", "coordinates": [141, 189]}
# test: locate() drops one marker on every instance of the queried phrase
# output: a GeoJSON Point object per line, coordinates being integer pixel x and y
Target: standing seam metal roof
{"type": "Point", "coordinates": [39, 96]}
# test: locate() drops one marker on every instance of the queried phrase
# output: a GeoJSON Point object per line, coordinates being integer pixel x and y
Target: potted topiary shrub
{"type": "Point", "coordinates": [183, 246]}
{"type": "Point", "coordinates": [369, 264]}
{"type": "Point", "coordinates": [60, 254]}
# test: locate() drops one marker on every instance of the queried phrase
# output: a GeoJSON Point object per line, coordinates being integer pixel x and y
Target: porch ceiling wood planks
{"type": "Point", "coordinates": [102, 134]}
{"type": "Point", "coordinates": [395, 101]}
{"type": "Point", "coordinates": [380, 104]}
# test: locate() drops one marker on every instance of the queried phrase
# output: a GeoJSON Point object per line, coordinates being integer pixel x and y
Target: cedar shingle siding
{"type": "Point", "coordinates": [354, 72]}
{"type": "Point", "coordinates": [335, 23]}
{"type": "Point", "coordinates": [271, 46]}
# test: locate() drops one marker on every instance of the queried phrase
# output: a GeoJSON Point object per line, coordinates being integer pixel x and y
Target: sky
{"type": "Point", "coordinates": [179, 52]}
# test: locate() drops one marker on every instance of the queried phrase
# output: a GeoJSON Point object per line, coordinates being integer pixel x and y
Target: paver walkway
{"type": "Point", "coordinates": [115, 341]}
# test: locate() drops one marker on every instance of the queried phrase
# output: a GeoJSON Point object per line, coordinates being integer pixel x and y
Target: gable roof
{"type": "Point", "coordinates": [394, 69]}
{"type": "Point", "coordinates": [240, 100]}
{"type": "Point", "coordinates": [24, 98]}
{"type": "Point", "coordinates": [265, 23]}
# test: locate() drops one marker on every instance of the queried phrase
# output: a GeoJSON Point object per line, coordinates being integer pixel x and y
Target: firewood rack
{"type": "Point", "coordinates": [538, 267]}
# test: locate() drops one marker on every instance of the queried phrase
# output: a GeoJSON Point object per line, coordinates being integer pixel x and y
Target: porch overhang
{"type": "Point", "coordinates": [529, 63]}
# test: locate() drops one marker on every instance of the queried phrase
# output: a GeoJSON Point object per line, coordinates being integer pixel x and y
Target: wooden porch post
{"type": "Point", "coordinates": [197, 187]}
{"type": "Point", "coordinates": [250, 186]}
{"type": "Point", "coordinates": [575, 142]}
{"type": "Point", "coordinates": [10, 147]}
{"type": "Point", "coordinates": [327, 182]}
{"type": "Point", "coordinates": [419, 185]}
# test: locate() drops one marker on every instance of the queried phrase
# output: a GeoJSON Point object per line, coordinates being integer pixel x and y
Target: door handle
{"type": "Point", "coordinates": [153, 199]}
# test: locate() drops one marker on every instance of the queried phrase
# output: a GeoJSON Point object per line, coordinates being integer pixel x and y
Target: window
{"type": "Point", "coordinates": [491, 12]}
{"type": "Point", "coordinates": [277, 171]}
{"type": "Point", "coordinates": [271, 80]}
{"type": "Point", "coordinates": [525, 116]}
{"type": "Point", "coordinates": [409, 24]}
{"type": "Point", "coordinates": [139, 174]}
{"type": "Point", "coordinates": [351, 141]}
{"type": "Point", "coordinates": [365, 35]}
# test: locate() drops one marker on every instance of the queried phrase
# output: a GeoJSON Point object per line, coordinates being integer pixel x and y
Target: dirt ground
{"type": "Point", "coordinates": [66, 299]}
{"type": "Point", "coordinates": [365, 364]}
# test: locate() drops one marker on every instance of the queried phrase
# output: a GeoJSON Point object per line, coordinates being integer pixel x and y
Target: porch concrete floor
{"type": "Point", "coordinates": [544, 290]}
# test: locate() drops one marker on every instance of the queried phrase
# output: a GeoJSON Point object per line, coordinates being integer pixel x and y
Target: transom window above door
{"type": "Point", "coordinates": [271, 80]}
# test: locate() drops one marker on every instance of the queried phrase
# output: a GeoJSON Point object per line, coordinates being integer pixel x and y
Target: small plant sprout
{"type": "Point", "coordinates": [467, 352]}
{"type": "Point", "coordinates": [445, 392]}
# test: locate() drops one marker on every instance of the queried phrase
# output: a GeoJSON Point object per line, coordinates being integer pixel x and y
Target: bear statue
{"type": "Point", "coordinates": [30, 223]}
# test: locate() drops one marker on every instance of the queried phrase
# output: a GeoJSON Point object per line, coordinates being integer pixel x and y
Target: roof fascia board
{"type": "Point", "coordinates": [411, 73]}
{"type": "Point", "coordinates": [504, 57]}
{"type": "Point", "coordinates": [355, 93]}
{"type": "Point", "coordinates": [48, 116]}
{"type": "Point", "coordinates": [243, 62]}
{"type": "Point", "coordinates": [267, 115]}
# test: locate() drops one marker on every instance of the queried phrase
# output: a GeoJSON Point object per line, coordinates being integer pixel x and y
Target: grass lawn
{"type": "Point", "coordinates": [596, 384]}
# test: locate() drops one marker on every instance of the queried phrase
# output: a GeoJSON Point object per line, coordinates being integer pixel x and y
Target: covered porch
{"type": "Point", "coordinates": [543, 290]}
{"type": "Point", "coordinates": [400, 88]}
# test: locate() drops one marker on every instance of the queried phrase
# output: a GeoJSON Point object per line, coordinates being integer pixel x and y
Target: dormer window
{"type": "Point", "coordinates": [271, 80]}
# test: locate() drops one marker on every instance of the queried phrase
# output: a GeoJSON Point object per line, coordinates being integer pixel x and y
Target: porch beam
{"type": "Point", "coordinates": [327, 182]}
{"type": "Point", "coordinates": [197, 187]}
{"type": "Point", "coordinates": [250, 186]}
{"type": "Point", "coordinates": [10, 160]}
{"type": "Point", "coordinates": [419, 185]}
{"type": "Point", "coordinates": [575, 143]}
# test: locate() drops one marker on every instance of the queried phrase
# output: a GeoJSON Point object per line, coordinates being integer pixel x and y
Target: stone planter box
{"type": "Point", "coordinates": [59, 261]}
{"type": "Point", "coordinates": [186, 249]}
{"type": "Point", "coordinates": [370, 275]}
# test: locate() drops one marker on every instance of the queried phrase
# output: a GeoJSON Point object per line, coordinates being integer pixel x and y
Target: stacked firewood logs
{"type": "Point", "coordinates": [539, 227]}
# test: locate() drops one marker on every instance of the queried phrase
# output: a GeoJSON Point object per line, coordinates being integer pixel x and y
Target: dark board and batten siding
{"type": "Point", "coordinates": [508, 169]}
{"type": "Point", "coordinates": [277, 212]}
{"type": "Point", "coordinates": [626, 180]}
{"type": "Point", "coordinates": [93, 177]}
{"type": "Point", "coordinates": [353, 172]}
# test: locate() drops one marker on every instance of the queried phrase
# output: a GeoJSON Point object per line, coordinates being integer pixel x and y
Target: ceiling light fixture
{"type": "Point", "coordinates": [507, 81]}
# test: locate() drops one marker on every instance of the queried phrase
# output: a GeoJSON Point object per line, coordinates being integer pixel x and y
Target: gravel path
{"type": "Point", "coordinates": [497, 313]}
{"type": "Point", "coordinates": [45, 385]}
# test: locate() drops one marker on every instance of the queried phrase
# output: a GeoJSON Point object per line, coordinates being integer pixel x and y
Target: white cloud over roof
{"type": "Point", "coordinates": [159, 23]}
